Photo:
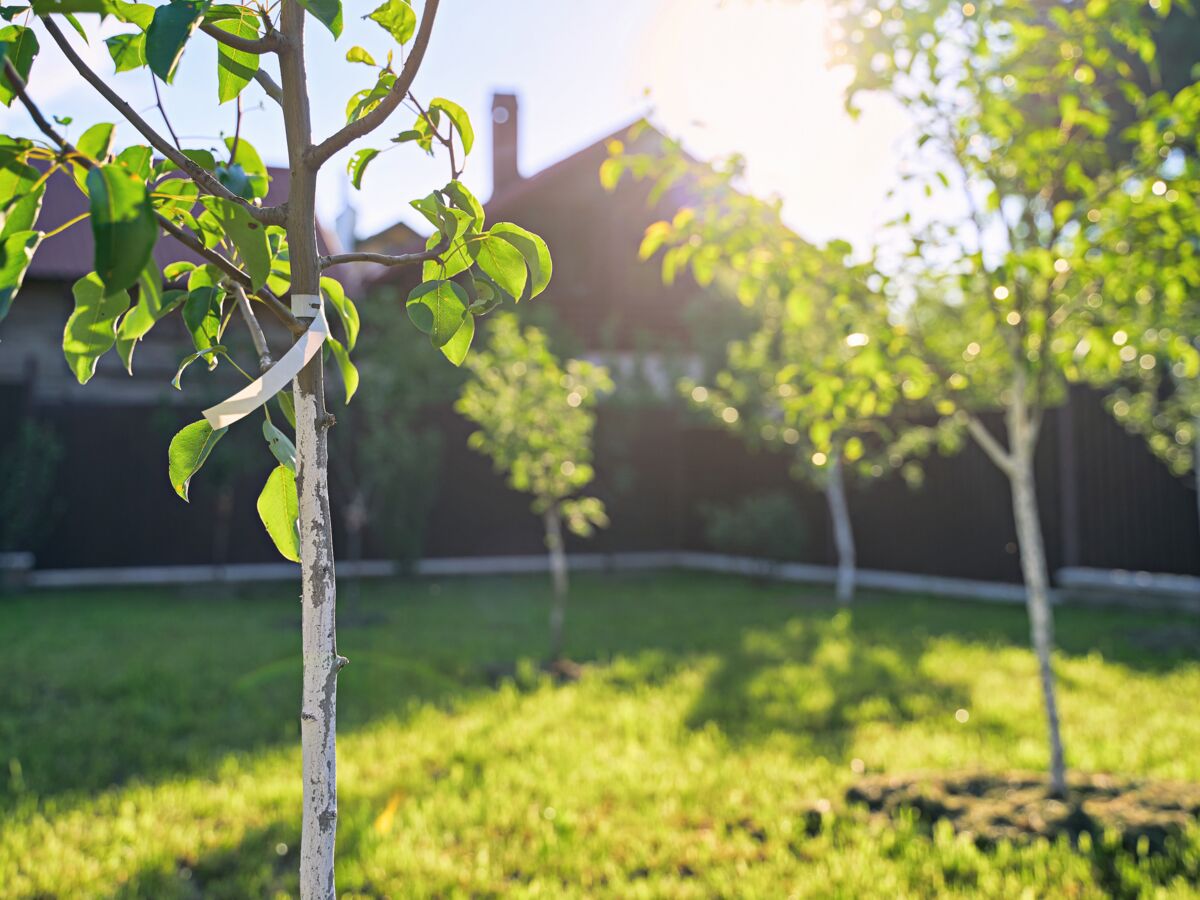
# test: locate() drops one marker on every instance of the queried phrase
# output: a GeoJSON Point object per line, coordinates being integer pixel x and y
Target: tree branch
{"type": "Point", "coordinates": [268, 43]}
{"type": "Point", "coordinates": [205, 180]}
{"type": "Point", "coordinates": [261, 347]}
{"type": "Point", "coordinates": [267, 83]}
{"type": "Point", "coordinates": [189, 240]}
{"type": "Point", "coordinates": [996, 453]}
{"type": "Point", "coordinates": [193, 243]}
{"type": "Point", "coordinates": [386, 259]}
{"type": "Point", "coordinates": [351, 132]}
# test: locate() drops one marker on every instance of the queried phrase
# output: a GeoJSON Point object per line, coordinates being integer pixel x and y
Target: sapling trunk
{"type": "Point", "coordinates": [558, 576]}
{"type": "Point", "coordinates": [843, 532]}
{"type": "Point", "coordinates": [1017, 465]}
{"type": "Point", "coordinates": [1037, 598]}
{"type": "Point", "coordinates": [318, 711]}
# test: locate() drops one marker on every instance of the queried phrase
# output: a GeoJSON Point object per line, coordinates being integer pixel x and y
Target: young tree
{"type": "Point", "coordinates": [536, 418]}
{"type": "Point", "coordinates": [250, 255]}
{"type": "Point", "coordinates": [1016, 107]}
{"type": "Point", "coordinates": [823, 375]}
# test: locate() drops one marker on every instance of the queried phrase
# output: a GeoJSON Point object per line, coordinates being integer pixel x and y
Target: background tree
{"type": "Point", "coordinates": [1150, 235]}
{"type": "Point", "coordinates": [536, 418]}
{"type": "Point", "coordinates": [1002, 274]}
{"type": "Point", "coordinates": [823, 374]}
{"type": "Point", "coordinates": [212, 202]}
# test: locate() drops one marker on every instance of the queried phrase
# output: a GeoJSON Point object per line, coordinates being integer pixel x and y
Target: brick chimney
{"type": "Point", "coordinates": [504, 142]}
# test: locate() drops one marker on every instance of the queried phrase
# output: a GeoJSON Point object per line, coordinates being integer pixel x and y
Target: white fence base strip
{"type": "Point", "coordinates": [1123, 580]}
{"type": "Point", "coordinates": [1087, 585]}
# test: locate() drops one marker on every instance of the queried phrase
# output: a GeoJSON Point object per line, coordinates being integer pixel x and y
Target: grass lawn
{"type": "Point", "coordinates": [149, 741]}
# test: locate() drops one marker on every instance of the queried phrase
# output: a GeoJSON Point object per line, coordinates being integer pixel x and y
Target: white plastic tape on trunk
{"type": "Point", "coordinates": [276, 378]}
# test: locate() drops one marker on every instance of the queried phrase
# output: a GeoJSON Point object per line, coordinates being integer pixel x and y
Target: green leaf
{"type": "Point", "coordinates": [287, 406]}
{"type": "Point", "coordinates": [202, 316]}
{"type": "Point", "coordinates": [397, 18]}
{"type": "Point", "coordinates": [534, 251]}
{"type": "Point", "coordinates": [358, 164]}
{"type": "Point", "coordinates": [359, 55]}
{"type": "Point", "coordinates": [20, 46]}
{"type": "Point", "coordinates": [345, 366]}
{"type": "Point", "coordinates": [247, 234]}
{"type": "Point", "coordinates": [279, 509]}
{"type": "Point", "coordinates": [169, 32]}
{"type": "Point", "coordinates": [137, 159]}
{"type": "Point", "coordinates": [251, 165]}
{"type": "Point", "coordinates": [437, 309]}
{"type": "Point", "coordinates": [502, 262]}
{"type": "Point", "coordinates": [212, 351]}
{"type": "Point", "coordinates": [17, 250]}
{"type": "Point", "coordinates": [346, 310]}
{"type": "Point", "coordinates": [235, 68]}
{"type": "Point", "coordinates": [136, 323]}
{"type": "Point", "coordinates": [91, 330]}
{"type": "Point", "coordinates": [464, 200]}
{"type": "Point", "coordinates": [456, 348]}
{"type": "Point", "coordinates": [123, 225]}
{"type": "Point", "coordinates": [97, 142]}
{"type": "Point", "coordinates": [188, 451]}
{"type": "Point", "coordinates": [327, 12]}
{"type": "Point", "coordinates": [22, 214]}
{"type": "Point", "coordinates": [459, 118]}
{"type": "Point", "coordinates": [128, 51]}
{"type": "Point", "coordinates": [281, 445]}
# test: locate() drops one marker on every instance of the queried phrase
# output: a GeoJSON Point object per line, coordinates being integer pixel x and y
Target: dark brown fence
{"type": "Point", "coordinates": [1106, 503]}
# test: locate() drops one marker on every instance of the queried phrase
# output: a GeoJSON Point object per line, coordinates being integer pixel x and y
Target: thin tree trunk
{"type": "Point", "coordinates": [843, 533]}
{"type": "Point", "coordinates": [318, 711]}
{"type": "Point", "coordinates": [1037, 597]}
{"type": "Point", "coordinates": [558, 575]}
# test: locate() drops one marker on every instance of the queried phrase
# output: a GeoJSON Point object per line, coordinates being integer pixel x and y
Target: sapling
{"type": "Point", "coordinates": [247, 258]}
{"type": "Point", "coordinates": [536, 416]}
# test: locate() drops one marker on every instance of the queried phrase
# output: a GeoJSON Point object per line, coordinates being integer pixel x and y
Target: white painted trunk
{"type": "Point", "coordinates": [318, 597]}
{"type": "Point", "coordinates": [318, 710]}
{"type": "Point", "coordinates": [1037, 598]}
{"type": "Point", "coordinates": [843, 532]}
{"type": "Point", "coordinates": [558, 576]}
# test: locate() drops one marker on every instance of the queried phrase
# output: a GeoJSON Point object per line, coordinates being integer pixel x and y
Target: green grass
{"type": "Point", "coordinates": [149, 741]}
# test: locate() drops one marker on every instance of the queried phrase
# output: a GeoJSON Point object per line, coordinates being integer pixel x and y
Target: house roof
{"type": "Point", "coordinates": [601, 292]}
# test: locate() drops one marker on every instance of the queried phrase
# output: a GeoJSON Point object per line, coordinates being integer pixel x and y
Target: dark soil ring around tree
{"type": "Point", "coordinates": [1016, 807]}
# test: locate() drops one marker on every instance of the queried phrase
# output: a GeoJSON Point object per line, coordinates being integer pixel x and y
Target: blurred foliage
{"type": "Point", "coordinates": [536, 419]}
{"type": "Point", "coordinates": [769, 525]}
{"type": "Point", "coordinates": [705, 751]}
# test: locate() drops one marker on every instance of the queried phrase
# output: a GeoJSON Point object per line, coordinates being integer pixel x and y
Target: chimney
{"type": "Point", "coordinates": [504, 142]}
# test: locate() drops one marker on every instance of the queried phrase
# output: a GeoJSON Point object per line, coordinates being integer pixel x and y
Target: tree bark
{"type": "Point", "coordinates": [843, 532]}
{"type": "Point", "coordinates": [558, 576]}
{"type": "Point", "coordinates": [1037, 591]}
{"type": "Point", "coordinates": [318, 711]}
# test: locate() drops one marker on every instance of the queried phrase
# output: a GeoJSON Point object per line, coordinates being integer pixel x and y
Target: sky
{"type": "Point", "coordinates": [745, 76]}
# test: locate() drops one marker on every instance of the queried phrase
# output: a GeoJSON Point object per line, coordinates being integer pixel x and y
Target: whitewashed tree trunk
{"type": "Point", "coordinates": [1017, 464]}
{"type": "Point", "coordinates": [558, 576]}
{"type": "Point", "coordinates": [318, 709]}
{"type": "Point", "coordinates": [1037, 599]}
{"type": "Point", "coordinates": [843, 532]}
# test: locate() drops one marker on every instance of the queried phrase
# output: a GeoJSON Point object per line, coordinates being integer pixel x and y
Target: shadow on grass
{"type": "Point", "coordinates": [104, 688]}
{"type": "Point", "coordinates": [818, 678]}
